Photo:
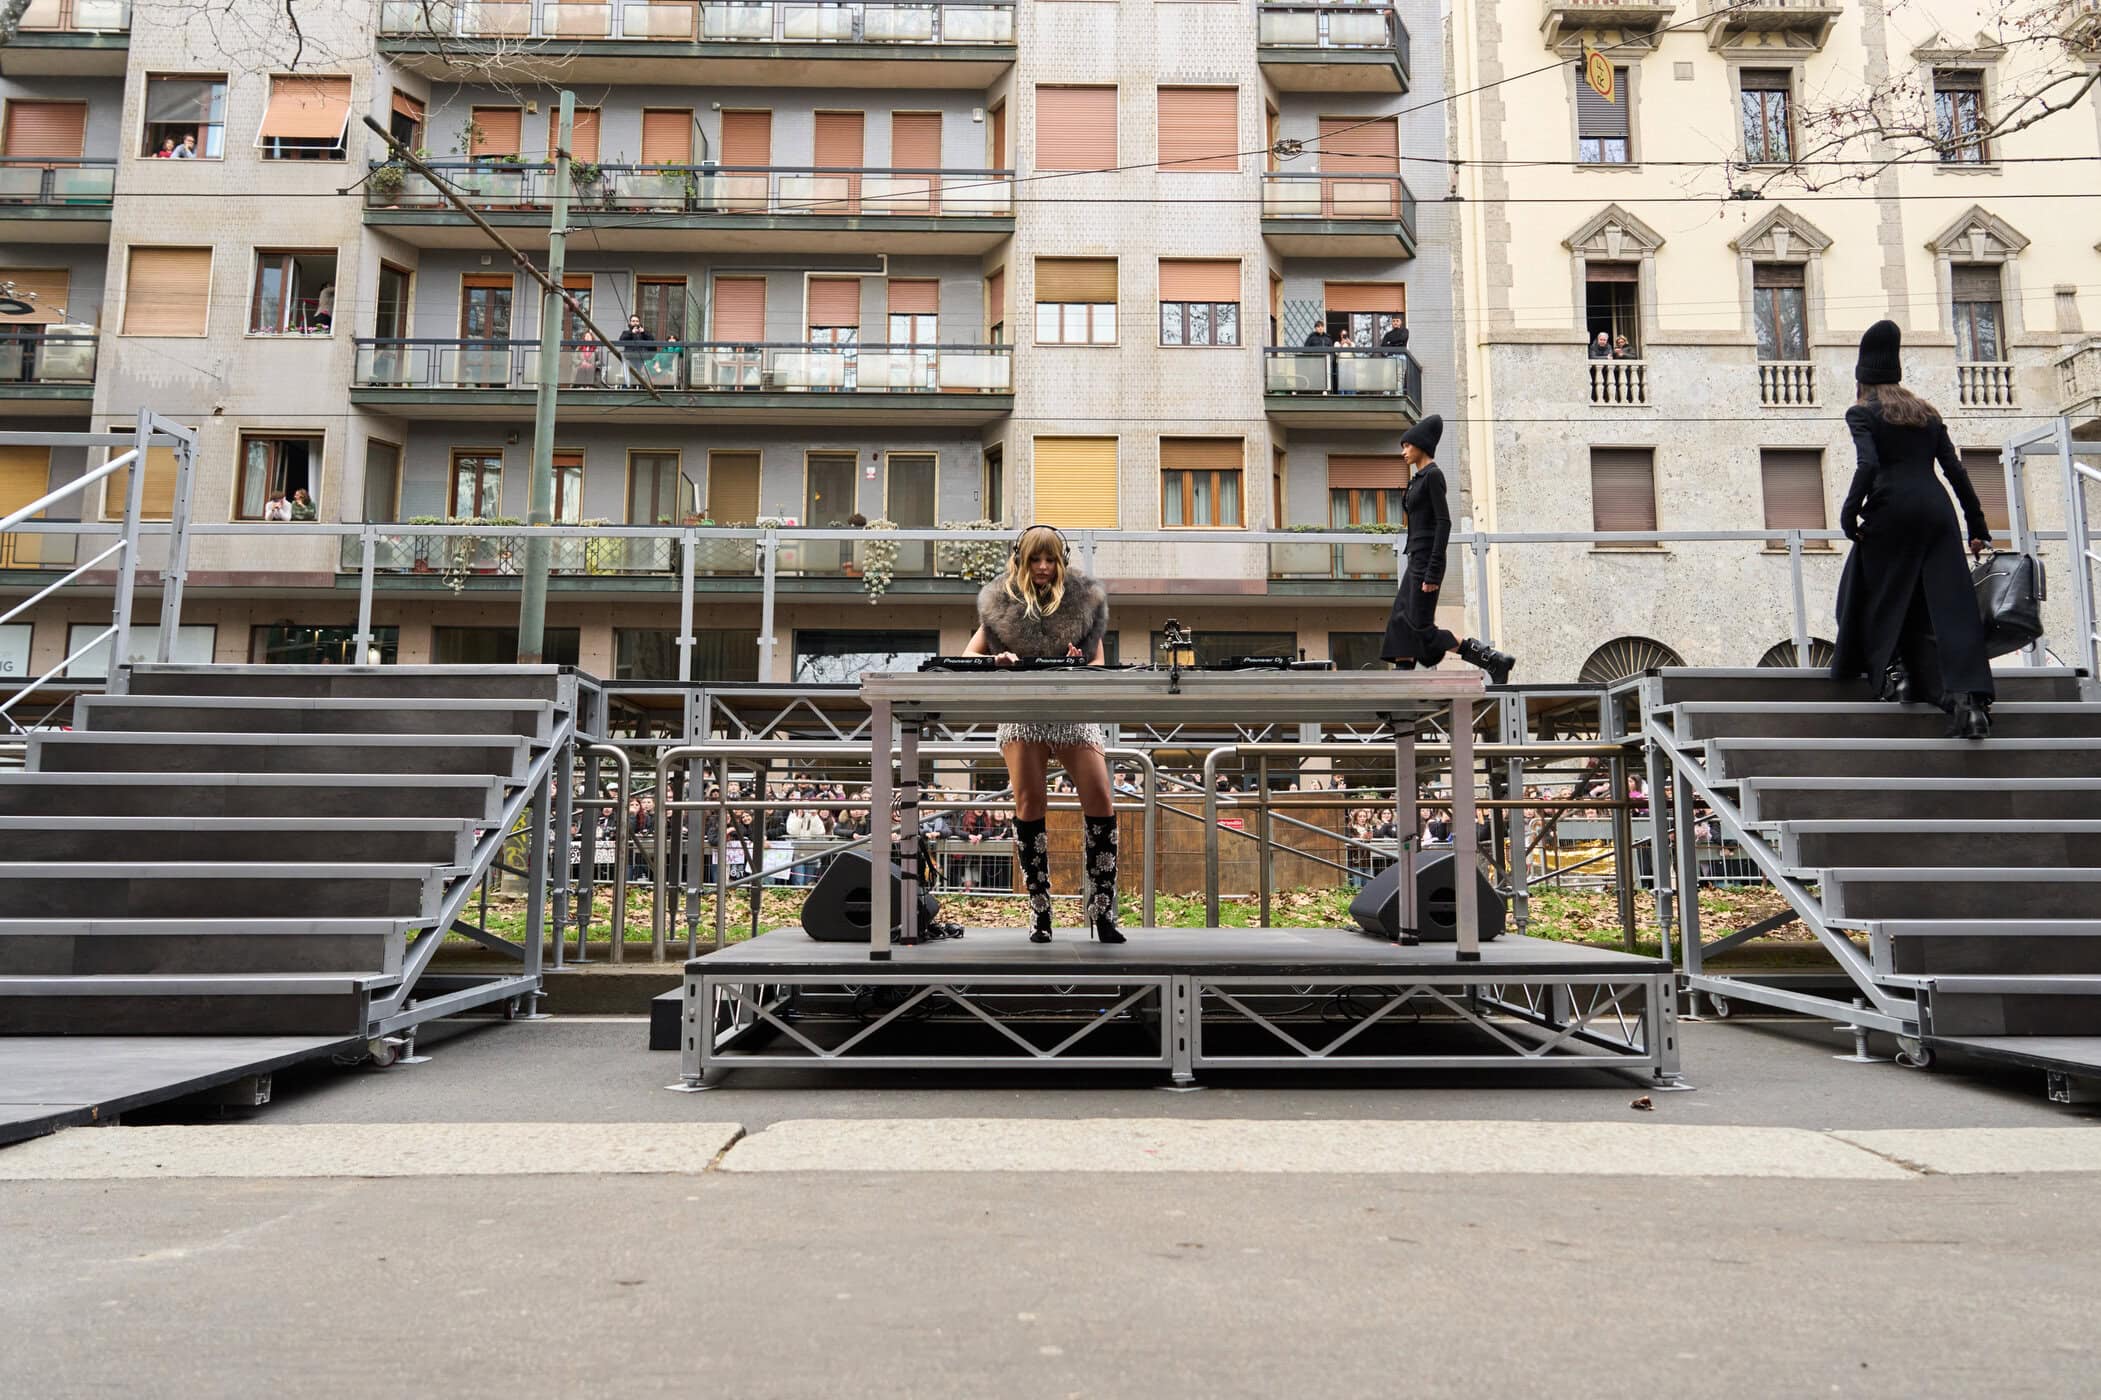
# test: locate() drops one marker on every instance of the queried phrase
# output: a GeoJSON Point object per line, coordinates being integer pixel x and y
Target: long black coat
{"type": "Point", "coordinates": [1906, 593]}
{"type": "Point", "coordinates": [1412, 633]}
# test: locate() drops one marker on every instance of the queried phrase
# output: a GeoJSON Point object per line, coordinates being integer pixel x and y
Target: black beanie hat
{"type": "Point", "coordinates": [1425, 435]}
{"type": "Point", "coordinates": [1879, 363]}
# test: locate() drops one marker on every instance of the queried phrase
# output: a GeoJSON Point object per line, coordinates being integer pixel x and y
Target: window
{"type": "Point", "coordinates": [1778, 312]}
{"type": "Point", "coordinates": [186, 107]}
{"type": "Point", "coordinates": [291, 645]}
{"type": "Point", "coordinates": [307, 119]}
{"type": "Point", "coordinates": [1792, 480]}
{"type": "Point", "coordinates": [1602, 128]}
{"type": "Point", "coordinates": [1979, 312]}
{"type": "Point", "coordinates": [733, 487]}
{"type": "Point", "coordinates": [1365, 158]}
{"type": "Point", "coordinates": [1622, 488]}
{"type": "Point", "coordinates": [1076, 482]}
{"type": "Point", "coordinates": [294, 294]}
{"type": "Point", "coordinates": [1768, 116]}
{"type": "Point", "coordinates": [719, 654]}
{"type": "Point", "coordinates": [156, 495]}
{"type": "Point", "coordinates": [657, 491]}
{"type": "Point", "coordinates": [390, 320]}
{"type": "Point", "coordinates": [382, 480]}
{"type": "Point", "coordinates": [498, 646]}
{"type": "Point", "coordinates": [405, 122]}
{"type": "Point", "coordinates": [1075, 301]}
{"type": "Point", "coordinates": [477, 485]}
{"type": "Point", "coordinates": [747, 138]}
{"type": "Point", "coordinates": [485, 307]}
{"type": "Point", "coordinates": [828, 489]}
{"type": "Point", "coordinates": [1199, 129]}
{"type": "Point", "coordinates": [1075, 128]}
{"type": "Point", "coordinates": [1365, 309]}
{"type": "Point", "coordinates": [667, 136]}
{"type": "Point", "coordinates": [167, 291]}
{"type": "Point", "coordinates": [996, 307]}
{"type": "Point", "coordinates": [842, 657]}
{"type": "Point", "coordinates": [583, 134]}
{"type": "Point", "coordinates": [568, 487]}
{"type": "Point", "coordinates": [1364, 490]}
{"type": "Point", "coordinates": [1200, 483]}
{"type": "Point", "coordinates": [57, 130]}
{"type": "Point", "coordinates": [1958, 109]}
{"type": "Point", "coordinates": [1612, 302]}
{"type": "Point", "coordinates": [494, 131]}
{"type": "Point", "coordinates": [661, 303]}
{"type": "Point", "coordinates": [1988, 475]}
{"type": "Point", "coordinates": [908, 499]}
{"type": "Point", "coordinates": [993, 492]}
{"type": "Point", "coordinates": [273, 471]}
{"type": "Point", "coordinates": [1199, 302]}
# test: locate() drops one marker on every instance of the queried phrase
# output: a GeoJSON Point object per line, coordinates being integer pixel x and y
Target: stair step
{"type": "Point", "coordinates": [348, 840]}
{"type": "Point", "coordinates": [1697, 721]}
{"type": "Point", "coordinates": [1892, 892]}
{"type": "Point", "coordinates": [2011, 1006]}
{"type": "Point", "coordinates": [556, 684]}
{"type": "Point", "coordinates": [1785, 684]}
{"type": "Point", "coordinates": [1904, 758]}
{"type": "Point", "coordinates": [1918, 947]}
{"type": "Point", "coordinates": [207, 890]}
{"type": "Point", "coordinates": [141, 947]}
{"type": "Point", "coordinates": [290, 795]}
{"type": "Point", "coordinates": [1770, 800]}
{"type": "Point", "coordinates": [1816, 845]}
{"type": "Point", "coordinates": [196, 1004]}
{"type": "Point", "coordinates": [501, 756]}
{"type": "Point", "coordinates": [231, 714]}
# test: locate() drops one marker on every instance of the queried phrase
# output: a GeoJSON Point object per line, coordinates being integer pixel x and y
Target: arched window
{"type": "Point", "coordinates": [1821, 654]}
{"type": "Point", "coordinates": [1626, 656]}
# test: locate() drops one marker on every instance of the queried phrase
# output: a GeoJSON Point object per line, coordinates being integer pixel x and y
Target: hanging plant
{"type": "Point", "coordinates": [977, 560]}
{"type": "Point", "coordinates": [878, 560]}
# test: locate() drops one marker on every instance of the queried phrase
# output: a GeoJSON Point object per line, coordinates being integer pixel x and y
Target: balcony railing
{"type": "Point", "coordinates": [1327, 372]}
{"type": "Point", "coordinates": [2079, 377]}
{"type": "Point", "coordinates": [458, 556]}
{"type": "Point", "coordinates": [1331, 26]}
{"type": "Point", "coordinates": [1314, 194]}
{"type": "Point", "coordinates": [783, 191]}
{"type": "Point", "coordinates": [909, 22]}
{"type": "Point", "coordinates": [77, 17]}
{"type": "Point", "coordinates": [45, 359]}
{"type": "Point", "coordinates": [89, 182]}
{"type": "Point", "coordinates": [1984, 384]}
{"type": "Point", "coordinates": [1619, 383]}
{"type": "Point", "coordinates": [2081, 25]}
{"type": "Point", "coordinates": [1787, 383]}
{"type": "Point", "coordinates": [698, 367]}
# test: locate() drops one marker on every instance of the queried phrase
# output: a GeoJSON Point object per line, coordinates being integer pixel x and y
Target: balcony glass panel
{"type": "Point", "coordinates": [703, 366]}
{"type": "Point", "coordinates": [903, 22]}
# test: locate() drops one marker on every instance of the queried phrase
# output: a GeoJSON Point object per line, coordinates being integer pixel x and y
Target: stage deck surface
{"type": "Point", "coordinates": [48, 1082]}
{"type": "Point", "coordinates": [1230, 952]}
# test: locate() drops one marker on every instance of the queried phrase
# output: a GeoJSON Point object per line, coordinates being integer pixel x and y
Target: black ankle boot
{"type": "Point", "coordinates": [1100, 859]}
{"type": "Point", "coordinates": [1498, 664]}
{"type": "Point", "coordinates": [1897, 687]}
{"type": "Point", "coordinates": [1032, 849]}
{"type": "Point", "coordinates": [1968, 720]}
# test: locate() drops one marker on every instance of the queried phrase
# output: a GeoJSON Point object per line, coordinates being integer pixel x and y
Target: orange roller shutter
{"type": "Point", "coordinates": [835, 301]}
{"type": "Point", "coordinates": [838, 139]}
{"type": "Point", "coordinates": [1367, 473]}
{"type": "Point", "coordinates": [740, 308]}
{"type": "Point", "coordinates": [1075, 128]}
{"type": "Point", "coordinates": [306, 108]}
{"type": "Point", "coordinates": [1076, 280]}
{"type": "Point", "coordinates": [496, 132]}
{"type": "Point", "coordinates": [49, 285]}
{"type": "Point", "coordinates": [407, 107]}
{"type": "Point", "coordinates": [1199, 129]}
{"type": "Point", "coordinates": [25, 476]}
{"type": "Point", "coordinates": [747, 138]}
{"type": "Point", "coordinates": [915, 140]}
{"type": "Point", "coordinates": [996, 298]}
{"type": "Point", "coordinates": [167, 291]}
{"type": "Point", "coordinates": [156, 494]}
{"type": "Point", "coordinates": [667, 136]}
{"type": "Point", "coordinates": [1367, 296]}
{"type": "Point", "coordinates": [1076, 482]}
{"type": "Point", "coordinates": [52, 130]}
{"type": "Point", "coordinates": [1351, 143]}
{"type": "Point", "coordinates": [583, 136]}
{"type": "Point", "coordinates": [914, 296]}
{"type": "Point", "coordinates": [1185, 279]}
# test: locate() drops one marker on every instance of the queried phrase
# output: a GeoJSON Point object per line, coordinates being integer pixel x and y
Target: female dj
{"type": "Point", "coordinates": [1039, 607]}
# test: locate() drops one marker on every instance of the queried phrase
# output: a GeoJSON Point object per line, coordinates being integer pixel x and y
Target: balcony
{"type": "Point", "coordinates": [47, 374]}
{"type": "Point", "coordinates": [71, 38]}
{"type": "Point", "coordinates": [1332, 47]}
{"type": "Point", "coordinates": [1316, 214]}
{"type": "Point", "coordinates": [2079, 387]}
{"type": "Point", "coordinates": [1985, 384]}
{"type": "Point", "coordinates": [828, 562]}
{"type": "Point", "coordinates": [1321, 387]}
{"type": "Point", "coordinates": [2081, 26]}
{"type": "Point", "coordinates": [1324, 561]}
{"type": "Point", "coordinates": [950, 385]}
{"type": "Point", "coordinates": [1802, 24]}
{"type": "Point", "coordinates": [1619, 383]}
{"type": "Point", "coordinates": [1785, 384]}
{"type": "Point", "coordinates": [785, 43]}
{"type": "Point", "coordinates": [46, 201]}
{"type": "Point", "coordinates": [713, 208]}
{"type": "Point", "coordinates": [1565, 19]}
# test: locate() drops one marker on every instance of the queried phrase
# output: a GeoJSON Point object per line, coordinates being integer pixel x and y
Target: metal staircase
{"type": "Point", "coordinates": [1957, 885]}
{"type": "Point", "coordinates": [272, 850]}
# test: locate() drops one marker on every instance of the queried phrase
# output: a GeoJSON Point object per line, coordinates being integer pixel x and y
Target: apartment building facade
{"type": "Point", "coordinates": [1678, 217]}
{"type": "Point", "coordinates": [1052, 260]}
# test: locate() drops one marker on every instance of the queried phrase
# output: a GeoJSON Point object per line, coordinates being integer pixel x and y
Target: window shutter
{"type": "Point", "coordinates": [25, 475]}
{"type": "Point", "coordinates": [1597, 117]}
{"type": "Point", "coordinates": [667, 136]}
{"type": "Point", "coordinates": [1367, 473]}
{"type": "Point", "coordinates": [1201, 454]}
{"type": "Point", "coordinates": [1186, 279]}
{"type": "Point", "coordinates": [583, 135]}
{"type": "Point", "coordinates": [1199, 129]}
{"type": "Point", "coordinates": [167, 291]}
{"type": "Point", "coordinates": [1075, 128]}
{"type": "Point", "coordinates": [838, 139]}
{"type": "Point", "coordinates": [1076, 280]}
{"type": "Point", "coordinates": [496, 132]}
{"type": "Point", "coordinates": [733, 487]}
{"type": "Point", "coordinates": [914, 296]}
{"type": "Point", "coordinates": [56, 130]}
{"type": "Point", "coordinates": [1976, 281]}
{"type": "Point", "coordinates": [1611, 271]}
{"type": "Point", "coordinates": [1388, 297]}
{"type": "Point", "coordinates": [1988, 475]}
{"type": "Point", "coordinates": [405, 107]}
{"type": "Point", "coordinates": [1765, 80]}
{"type": "Point", "coordinates": [1958, 80]}
{"type": "Point", "coordinates": [747, 138]}
{"type": "Point", "coordinates": [50, 286]}
{"type": "Point", "coordinates": [740, 308]}
{"type": "Point", "coordinates": [156, 497]}
{"type": "Point", "coordinates": [835, 301]}
{"type": "Point", "coordinates": [1351, 143]}
{"type": "Point", "coordinates": [1793, 482]}
{"type": "Point", "coordinates": [306, 108]}
{"type": "Point", "coordinates": [1776, 274]}
{"type": "Point", "coordinates": [915, 140]}
{"type": "Point", "coordinates": [1076, 482]}
{"type": "Point", "coordinates": [996, 299]}
{"type": "Point", "coordinates": [1623, 488]}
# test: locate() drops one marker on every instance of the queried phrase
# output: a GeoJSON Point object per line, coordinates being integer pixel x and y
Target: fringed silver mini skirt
{"type": "Point", "coordinates": [1058, 736]}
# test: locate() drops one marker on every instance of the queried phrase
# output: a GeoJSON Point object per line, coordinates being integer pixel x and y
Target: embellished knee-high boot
{"type": "Point", "coordinates": [1101, 878]}
{"type": "Point", "coordinates": [1032, 847]}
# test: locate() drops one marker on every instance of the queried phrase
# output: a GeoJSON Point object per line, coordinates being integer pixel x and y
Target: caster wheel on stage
{"type": "Point", "coordinates": [1914, 1053]}
{"type": "Point", "coordinates": [384, 1051]}
{"type": "Point", "coordinates": [1719, 1005]}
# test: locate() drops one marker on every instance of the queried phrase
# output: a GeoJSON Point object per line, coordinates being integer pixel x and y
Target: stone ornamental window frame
{"type": "Point", "coordinates": [1784, 237]}
{"type": "Point", "coordinates": [1981, 58]}
{"type": "Point", "coordinates": [1980, 236]}
{"type": "Point", "coordinates": [1614, 235]}
{"type": "Point", "coordinates": [1789, 61]}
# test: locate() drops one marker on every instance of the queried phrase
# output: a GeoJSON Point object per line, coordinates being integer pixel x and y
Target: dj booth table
{"type": "Point", "coordinates": [1178, 1000]}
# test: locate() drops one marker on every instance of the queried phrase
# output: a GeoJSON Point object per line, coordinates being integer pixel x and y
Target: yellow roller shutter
{"type": "Point", "coordinates": [1076, 482]}
{"type": "Point", "coordinates": [25, 475]}
{"type": "Point", "coordinates": [167, 291]}
{"type": "Point", "coordinates": [1076, 280]}
{"type": "Point", "coordinates": [157, 502]}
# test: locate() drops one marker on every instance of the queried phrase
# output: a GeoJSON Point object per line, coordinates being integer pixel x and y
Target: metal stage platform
{"type": "Point", "coordinates": [48, 1082]}
{"type": "Point", "coordinates": [1177, 1000]}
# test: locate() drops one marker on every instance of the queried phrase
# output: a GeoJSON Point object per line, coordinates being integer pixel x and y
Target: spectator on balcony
{"type": "Point", "coordinates": [1344, 342]}
{"type": "Point", "coordinates": [636, 344]}
{"type": "Point", "coordinates": [302, 506]}
{"type": "Point", "coordinates": [188, 149]}
{"type": "Point", "coordinates": [587, 362]}
{"type": "Point", "coordinates": [1601, 346]}
{"type": "Point", "coordinates": [1396, 337]}
{"type": "Point", "coordinates": [277, 507]}
{"type": "Point", "coordinates": [1621, 350]}
{"type": "Point", "coordinates": [167, 149]}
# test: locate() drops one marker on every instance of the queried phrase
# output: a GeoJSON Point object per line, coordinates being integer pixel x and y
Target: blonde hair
{"type": "Point", "coordinates": [1038, 541]}
{"type": "Point", "coordinates": [1899, 407]}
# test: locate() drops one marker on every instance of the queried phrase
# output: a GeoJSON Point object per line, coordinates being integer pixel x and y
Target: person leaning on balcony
{"type": "Point", "coordinates": [636, 343]}
{"type": "Point", "coordinates": [1905, 598]}
{"type": "Point", "coordinates": [1601, 347]}
{"type": "Point", "coordinates": [1396, 337]}
{"type": "Point", "coordinates": [1412, 633]}
{"type": "Point", "coordinates": [167, 149]}
{"type": "Point", "coordinates": [587, 362]}
{"type": "Point", "coordinates": [188, 149]}
{"type": "Point", "coordinates": [277, 508]}
{"type": "Point", "coordinates": [1621, 350]}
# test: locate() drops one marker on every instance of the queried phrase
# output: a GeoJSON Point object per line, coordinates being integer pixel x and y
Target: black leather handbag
{"type": "Point", "coordinates": [2010, 593]}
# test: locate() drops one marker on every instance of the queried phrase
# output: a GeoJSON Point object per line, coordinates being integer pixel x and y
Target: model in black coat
{"type": "Point", "coordinates": [1905, 597]}
{"type": "Point", "coordinates": [1412, 634]}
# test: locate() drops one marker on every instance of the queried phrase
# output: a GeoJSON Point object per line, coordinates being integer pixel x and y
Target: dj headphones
{"type": "Point", "coordinates": [1064, 548]}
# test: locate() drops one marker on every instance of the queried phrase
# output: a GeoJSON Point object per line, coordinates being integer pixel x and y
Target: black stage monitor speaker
{"type": "Point", "coordinates": [1377, 907]}
{"type": "Point", "coordinates": [836, 909]}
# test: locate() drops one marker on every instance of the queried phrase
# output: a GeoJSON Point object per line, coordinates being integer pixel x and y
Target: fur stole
{"type": "Point", "coordinates": [1082, 619]}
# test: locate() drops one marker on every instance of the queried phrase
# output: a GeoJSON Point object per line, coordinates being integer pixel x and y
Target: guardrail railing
{"type": "Point", "coordinates": [614, 190]}
{"type": "Point", "coordinates": [1373, 196]}
{"type": "Point", "coordinates": [48, 358]}
{"type": "Point", "coordinates": [1339, 372]}
{"type": "Point", "coordinates": [901, 22]}
{"type": "Point", "coordinates": [86, 182]}
{"type": "Point", "coordinates": [697, 367]}
{"type": "Point", "coordinates": [77, 17]}
{"type": "Point", "coordinates": [1331, 26]}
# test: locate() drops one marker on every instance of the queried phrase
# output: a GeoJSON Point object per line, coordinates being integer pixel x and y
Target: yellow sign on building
{"type": "Point", "coordinates": [1597, 71]}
